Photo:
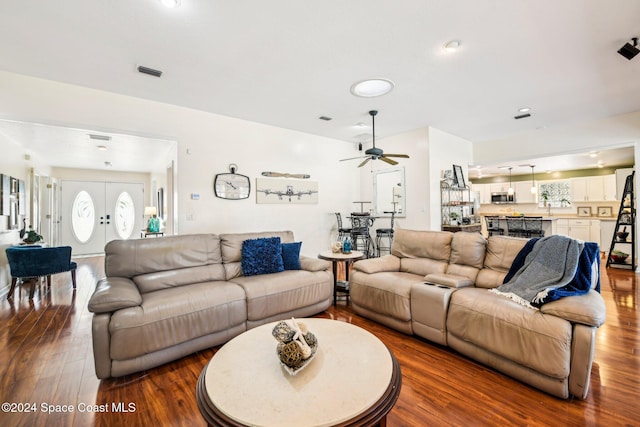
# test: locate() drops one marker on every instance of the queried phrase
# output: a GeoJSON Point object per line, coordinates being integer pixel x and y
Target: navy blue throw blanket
{"type": "Point", "coordinates": [586, 274]}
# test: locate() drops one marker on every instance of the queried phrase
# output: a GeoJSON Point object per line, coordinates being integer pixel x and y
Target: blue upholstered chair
{"type": "Point", "coordinates": [33, 262]}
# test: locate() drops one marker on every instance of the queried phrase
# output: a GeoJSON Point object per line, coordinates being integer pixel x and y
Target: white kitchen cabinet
{"type": "Point", "coordinates": [562, 227]}
{"type": "Point", "coordinates": [610, 187]}
{"type": "Point", "coordinates": [499, 187]}
{"type": "Point", "coordinates": [523, 192]}
{"type": "Point", "coordinates": [485, 192]}
{"type": "Point", "coordinates": [580, 229]}
{"type": "Point", "coordinates": [593, 188]}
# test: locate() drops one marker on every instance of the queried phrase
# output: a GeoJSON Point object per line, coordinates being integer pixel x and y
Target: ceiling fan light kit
{"type": "Point", "coordinates": [375, 153]}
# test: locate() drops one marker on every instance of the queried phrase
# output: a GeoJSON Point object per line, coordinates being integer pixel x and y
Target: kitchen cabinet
{"type": "Point", "coordinates": [593, 188]}
{"type": "Point", "coordinates": [587, 230]}
{"type": "Point", "coordinates": [523, 192]}
{"type": "Point", "coordinates": [610, 187]}
{"type": "Point", "coordinates": [485, 192]}
{"type": "Point", "coordinates": [499, 187]}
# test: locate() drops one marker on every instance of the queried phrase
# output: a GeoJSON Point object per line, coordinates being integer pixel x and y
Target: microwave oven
{"type": "Point", "coordinates": [502, 197]}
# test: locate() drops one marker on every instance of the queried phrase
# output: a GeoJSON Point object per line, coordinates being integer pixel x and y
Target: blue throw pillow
{"type": "Point", "coordinates": [291, 255]}
{"type": "Point", "coordinates": [261, 256]}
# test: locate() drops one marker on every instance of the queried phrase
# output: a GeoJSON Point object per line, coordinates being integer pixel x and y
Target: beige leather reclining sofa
{"type": "Point", "coordinates": [435, 285]}
{"type": "Point", "coordinates": [165, 298]}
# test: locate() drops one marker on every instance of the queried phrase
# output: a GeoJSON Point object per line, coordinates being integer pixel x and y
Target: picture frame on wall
{"type": "Point", "coordinates": [458, 176]}
{"type": "Point", "coordinates": [584, 210]}
{"type": "Point", "coordinates": [605, 211]}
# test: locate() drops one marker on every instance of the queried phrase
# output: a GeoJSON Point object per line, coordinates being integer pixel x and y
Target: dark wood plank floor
{"type": "Point", "coordinates": [46, 359]}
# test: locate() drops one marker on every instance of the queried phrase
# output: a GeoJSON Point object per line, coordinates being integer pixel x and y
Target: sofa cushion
{"type": "Point", "coordinates": [158, 280]}
{"type": "Point", "coordinates": [129, 258]}
{"type": "Point", "coordinates": [271, 294]}
{"type": "Point", "coordinates": [435, 245]}
{"type": "Point", "coordinates": [262, 256]}
{"type": "Point", "coordinates": [468, 249]}
{"type": "Point", "coordinates": [175, 315]}
{"type": "Point", "coordinates": [503, 327]}
{"type": "Point", "coordinates": [386, 293]}
{"type": "Point", "coordinates": [291, 255]}
{"type": "Point", "coordinates": [500, 253]}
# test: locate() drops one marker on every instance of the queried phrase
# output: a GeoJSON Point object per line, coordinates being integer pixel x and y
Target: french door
{"type": "Point", "coordinates": [94, 213]}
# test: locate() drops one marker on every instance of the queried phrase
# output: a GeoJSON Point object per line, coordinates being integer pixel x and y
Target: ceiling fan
{"type": "Point", "coordinates": [375, 153]}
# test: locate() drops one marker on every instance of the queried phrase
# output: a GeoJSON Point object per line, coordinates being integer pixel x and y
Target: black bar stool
{"type": "Point", "coordinates": [385, 233]}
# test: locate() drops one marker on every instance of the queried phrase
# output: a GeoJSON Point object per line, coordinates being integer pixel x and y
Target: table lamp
{"type": "Point", "coordinates": [153, 226]}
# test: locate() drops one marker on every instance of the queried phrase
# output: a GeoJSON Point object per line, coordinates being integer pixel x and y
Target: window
{"type": "Point", "coordinates": [83, 215]}
{"type": "Point", "coordinates": [558, 194]}
{"type": "Point", "coordinates": [125, 215]}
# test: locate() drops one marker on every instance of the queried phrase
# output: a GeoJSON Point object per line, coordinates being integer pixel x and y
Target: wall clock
{"type": "Point", "coordinates": [232, 186]}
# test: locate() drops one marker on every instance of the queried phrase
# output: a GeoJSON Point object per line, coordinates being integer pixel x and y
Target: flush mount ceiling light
{"type": "Point", "coordinates": [170, 3]}
{"type": "Point", "coordinates": [452, 46]}
{"type": "Point", "coordinates": [629, 51]}
{"type": "Point", "coordinates": [372, 87]}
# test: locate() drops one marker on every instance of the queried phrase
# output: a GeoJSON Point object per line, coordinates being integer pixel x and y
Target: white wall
{"type": "Point", "coordinates": [206, 144]}
{"type": "Point", "coordinates": [445, 150]}
{"type": "Point", "coordinates": [416, 169]}
{"type": "Point", "coordinates": [623, 130]}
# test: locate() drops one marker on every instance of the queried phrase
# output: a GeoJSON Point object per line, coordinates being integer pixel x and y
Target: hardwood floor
{"type": "Point", "coordinates": [46, 359]}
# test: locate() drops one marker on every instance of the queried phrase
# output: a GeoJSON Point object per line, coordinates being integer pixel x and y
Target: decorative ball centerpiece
{"type": "Point", "coordinates": [296, 345]}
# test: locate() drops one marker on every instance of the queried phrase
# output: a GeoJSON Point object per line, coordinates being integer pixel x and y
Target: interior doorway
{"type": "Point", "coordinates": [94, 213]}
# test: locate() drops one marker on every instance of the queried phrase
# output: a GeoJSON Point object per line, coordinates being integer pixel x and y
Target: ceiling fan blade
{"type": "Point", "coordinates": [353, 158]}
{"type": "Point", "coordinates": [364, 163]}
{"type": "Point", "coordinates": [391, 162]}
{"type": "Point", "coordinates": [397, 155]}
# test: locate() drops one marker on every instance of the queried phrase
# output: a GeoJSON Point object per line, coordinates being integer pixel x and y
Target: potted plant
{"type": "Point", "coordinates": [545, 197]}
{"type": "Point", "coordinates": [454, 218]}
{"type": "Point", "coordinates": [32, 236]}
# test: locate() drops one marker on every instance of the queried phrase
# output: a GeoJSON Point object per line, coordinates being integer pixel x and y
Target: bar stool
{"type": "Point", "coordinates": [493, 225]}
{"type": "Point", "coordinates": [533, 226]}
{"type": "Point", "coordinates": [361, 239]}
{"type": "Point", "coordinates": [515, 226]}
{"type": "Point", "coordinates": [342, 231]}
{"type": "Point", "coordinates": [385, 233]}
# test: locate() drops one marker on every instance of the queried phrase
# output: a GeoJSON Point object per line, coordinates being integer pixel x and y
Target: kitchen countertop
{"type": "Point", "coordinates": [502, 215]}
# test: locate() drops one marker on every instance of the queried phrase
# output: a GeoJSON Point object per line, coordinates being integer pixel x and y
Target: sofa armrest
{"type": "Point", "coordinates": [587, 309]}
{"type": "Point", "coordinates": [314, 264]}
{"type": "Point", "coordinates": [114, 293]}
{"type": "Point", "coordinates": [378, 265]}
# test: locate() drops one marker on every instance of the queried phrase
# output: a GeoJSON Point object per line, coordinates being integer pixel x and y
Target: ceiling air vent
{"type": "Point", "coordinates": [150, 71]}
{"type": "Point", "coordinates": [325, 118]}
{"type": "Point", "coordinates": [100, 137]}
{"type": "Point", "coordinates": [522, 116]}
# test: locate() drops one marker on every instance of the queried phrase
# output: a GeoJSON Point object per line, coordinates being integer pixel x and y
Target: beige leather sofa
{"type": "Point", "coordinates": [165, 298]}
{"type": "Point", "coordinates": [435, 284]}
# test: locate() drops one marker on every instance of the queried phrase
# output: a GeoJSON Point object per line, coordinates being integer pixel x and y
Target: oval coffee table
{"type": "Point", "coordinates": [353, 380]}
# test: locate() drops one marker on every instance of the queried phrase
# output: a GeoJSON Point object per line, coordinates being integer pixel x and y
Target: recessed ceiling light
{"type": "Point", "coordinates": [524, 109]}
{"type": "Point", "coordinates": [361, 125]}
{"type": "Point", "coordinates": [102, 147]}
{"type": "Point", "coordinates": [170, 3]}
{"type": "Point", "coordinates": [593, 154]}
{"type": "Point", "coordinates": [452, 46]}
{"type": "Point", "coordinates": [372, 87]}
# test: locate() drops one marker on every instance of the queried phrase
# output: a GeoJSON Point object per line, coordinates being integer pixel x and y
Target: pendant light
{"type": "Point", "coordinates": [510, 190]}
{"type": "Point", "coordinates": [534, 189]}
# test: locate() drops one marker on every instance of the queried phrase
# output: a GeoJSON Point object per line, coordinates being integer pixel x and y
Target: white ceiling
{"type": "Point", "coordinates": [286, 63]}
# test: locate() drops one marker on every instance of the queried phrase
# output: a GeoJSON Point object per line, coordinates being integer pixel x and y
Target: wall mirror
{"type": "Point", "coordinates": [389, 191]}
